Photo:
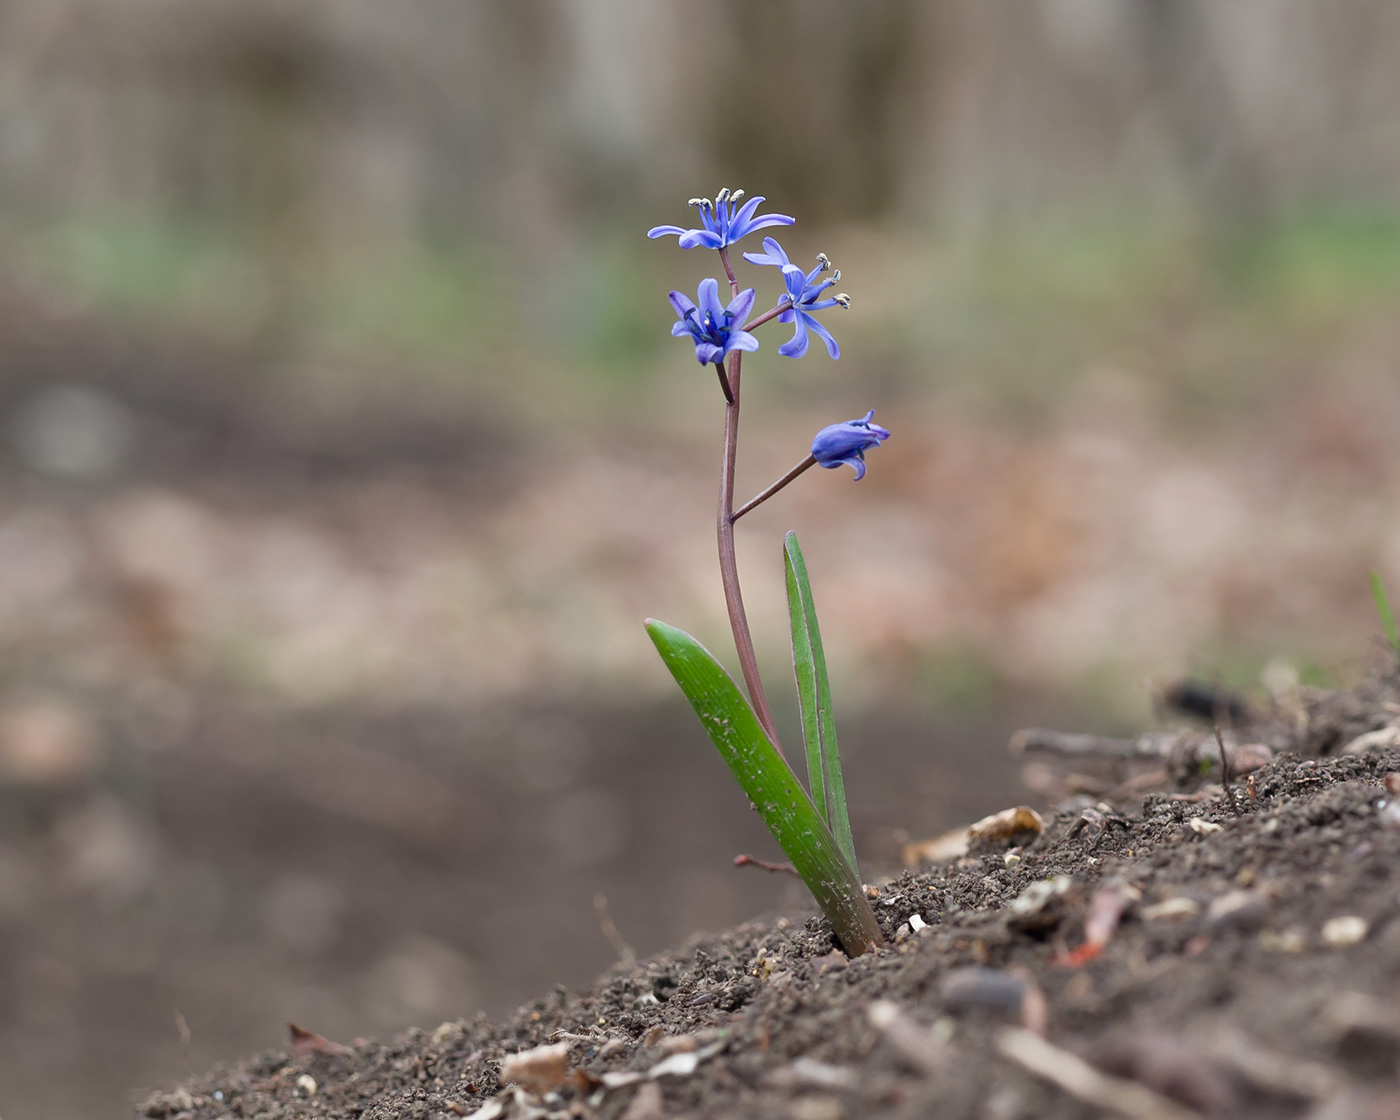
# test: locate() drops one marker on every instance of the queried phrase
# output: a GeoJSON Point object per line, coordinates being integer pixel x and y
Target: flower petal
{"type": "Point", "coordinates": [797, 345]}
{"type": "Point", "coordinates": [825, 335]}
{"type": "Point", "coordinates": [793, 281]}
{"type": "Point", "coordinates": [770, 220]}
{"type": "Point", "coordinates": [708, 295]}
{"type": "Point", "coordinates": [664, 231]}
{"type": "Point", "coordinates": [742, 340]}
{"type": "Point", "coordinates": [681, 302]}
{"type": "Point", "coordinates": [707, 352]}
{"type": "Point", "coordinates": [740, 306]}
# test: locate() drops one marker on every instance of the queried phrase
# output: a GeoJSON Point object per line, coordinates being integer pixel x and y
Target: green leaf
{"type": "Point", "coordinates": [771, 786]}
{"type": "Point", "coordinates": [1392, 633]}
{"type": "Point", "coordinates": [814, 696]}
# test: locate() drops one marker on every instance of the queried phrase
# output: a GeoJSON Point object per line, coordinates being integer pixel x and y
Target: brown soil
{"type": "Point", "coordinates": [1244, 1001]}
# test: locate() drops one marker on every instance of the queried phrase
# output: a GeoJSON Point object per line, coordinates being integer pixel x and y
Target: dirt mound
{"type": "Point", "coordinates": [1169, 957]}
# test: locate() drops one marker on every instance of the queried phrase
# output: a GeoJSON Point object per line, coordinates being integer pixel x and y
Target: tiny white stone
{"type": "Point", "coordinates": [1344, 930]}
{"type": "Point", "coordinates": [916, 923]}
{"type": "Point", "coordinates": [307, 1084]}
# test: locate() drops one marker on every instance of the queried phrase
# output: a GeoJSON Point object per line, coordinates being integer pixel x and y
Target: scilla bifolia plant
{"type": "Point", "coordinates": [814, 831]}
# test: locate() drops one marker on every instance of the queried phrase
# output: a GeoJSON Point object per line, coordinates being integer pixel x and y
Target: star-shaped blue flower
{"type": "Point", "coordinates": [847, 443]}
{"type": "Point", "coordinates": [713, 327]}
{"type": "Point", "coordinates": [724, 221]}
{"type": "Point", "coordinates": [804, 292]}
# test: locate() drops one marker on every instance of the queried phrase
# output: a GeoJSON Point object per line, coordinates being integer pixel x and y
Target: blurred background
{"type": "Point", "coordinates": [344, 447]}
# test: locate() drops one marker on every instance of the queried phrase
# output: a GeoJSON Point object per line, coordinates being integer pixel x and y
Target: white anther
{"type": "Point", "coordinates": [736, 195]}
{"type": "Point", "coordinates": [705, 203]}
{"type": "Point", "coordinates": [721, 195]}
{"type": "Point", "coordinates": [835, 276]}
{"type": "Point", "coordinates": [823, 261]}
{"type": "Point", "coordinates": [844, 300]}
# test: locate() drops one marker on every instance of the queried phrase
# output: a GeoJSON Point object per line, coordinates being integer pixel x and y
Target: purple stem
{"type": "Point", "coordinates": [785, 304]}
{"type": "Point", "coordinates": [728, 564]}
{"type": "Point", "coordinates": [810, 461]}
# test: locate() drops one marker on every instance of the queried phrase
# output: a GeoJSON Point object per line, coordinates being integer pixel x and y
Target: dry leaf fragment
{"type": "Point", "coordinates": [1018, 824]}
{"type": "Point", "coordinates": [683, 1065]}
{"type": "Point", "coordinates": [1078, 1078]}
{"type": "Point", "coordinates": [949, 846]}
{"type": "Point", "coordinates": [647, 1104]}
{"type": "Point", "coordinates": [310, 1042]}
{"type": "Point", "coordinates": [1179, 907]}
{"type": "Point", "coordinates": [1007, 825]}
{"type": "Point", "coordinates": [538, 1071]}
{"type": "Point", "coordinates": [808, 1073]}
{"type": "Point", "coordinates": [1382, 739]}
{"type": "Point", "coordinates": [1105, 911]}
{"type": "Point", "coordinates": [916, 1044]}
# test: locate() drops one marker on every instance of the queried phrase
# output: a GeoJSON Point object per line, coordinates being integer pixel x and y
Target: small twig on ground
{"type": "Point", "coordinates": [1225, 774]}
{"type": "Point", "coordinates": [1081, 1080]}
{"type": "Point", "coordinates": [1277, 1072]}
{"type": "Point", "coordinates": [754, 861]}
{"type": "Point", "coordinates": [625, 955]}
{"type": "Point", "coordinates": [1041, 740]}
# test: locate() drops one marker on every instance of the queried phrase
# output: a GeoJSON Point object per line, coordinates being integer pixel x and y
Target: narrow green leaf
{"type": "Point", "coordinates": [771, 786]}
{"type": "Point", "coordinates": [806, 673]}
{"type": "Point", "coordinates": [818, 724]}
{"type": "Point", "coordinates": [1392, 633]}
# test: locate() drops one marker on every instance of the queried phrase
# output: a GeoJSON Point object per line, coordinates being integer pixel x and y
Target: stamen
{"type": "Point", "coordinates": [736, 195]}
{"type": "Point", "coordinates": [835, 276]}
{"type": "Point", "coordinates": [844, 300]}
{"type": "Point", "coordinates": [721, 195]}
{"type": "Point", "coordinates": [823, 261]}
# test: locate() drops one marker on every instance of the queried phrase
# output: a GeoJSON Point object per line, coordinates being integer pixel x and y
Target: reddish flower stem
{"type": "Point", "coordinates": [728, 563]}
{"type": "Point", "coordinates": [785, 304]}
{"type": "Point", "coordinates": [810, 461]}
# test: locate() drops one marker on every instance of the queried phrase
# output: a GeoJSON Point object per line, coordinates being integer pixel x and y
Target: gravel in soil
{"type": "Point", "coordinates": [1201, 960]}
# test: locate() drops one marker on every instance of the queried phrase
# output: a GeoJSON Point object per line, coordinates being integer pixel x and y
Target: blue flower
{"type": "Point", "coordinates": [804, 292]}
{"type": "Point", "coordinates": [724, 221]}
{"type": "Point", "coordinates": [848, 442]}
{"type": "Point", "coordinates": [714, 329]}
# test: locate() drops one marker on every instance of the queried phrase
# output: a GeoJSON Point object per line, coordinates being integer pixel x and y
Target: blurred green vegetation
{"type": "Point", "coordinates": [1008, 318]}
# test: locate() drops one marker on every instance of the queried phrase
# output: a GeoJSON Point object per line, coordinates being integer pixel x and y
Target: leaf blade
{"type": "Point", "coordinates": [804, 669]}
{"type": "Point", "coordinates": [771, 786]}
{"type": "Point", "coordinates": [833, 783]}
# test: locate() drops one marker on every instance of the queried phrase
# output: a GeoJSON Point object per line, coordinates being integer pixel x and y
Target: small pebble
{"type": "Point", "coordinates": [1390, 815]}
{"type": "Point", "coordinates": [987, 988]}
{"type": "Point", "coordinates": [307, 1084]}
{"type": "Point", "coordinates": [1347, 929]}
{"type": "Point", "coordinates": [1202, 827]}
{"type": "Point", "coordinates": [1236, 910]}
{"type": "Point", "coordinates": [1289, 941]}
{"type": "Point", "coordinates": [916, 923]}
{"type": "Point", "coordinates": [1392, 781]}
{"type": "Point", "coordinates": [1011, 859]}
{"type": "Point", "coordinates": [1180, 907]}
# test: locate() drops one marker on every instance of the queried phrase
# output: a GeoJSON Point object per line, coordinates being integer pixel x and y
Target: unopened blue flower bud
{"type": "Point", "coordinates": [847, 443]}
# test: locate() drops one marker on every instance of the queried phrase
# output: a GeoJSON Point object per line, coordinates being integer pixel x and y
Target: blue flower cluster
{"type": "Point", "coordinates": [716, 330]}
